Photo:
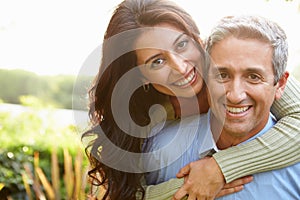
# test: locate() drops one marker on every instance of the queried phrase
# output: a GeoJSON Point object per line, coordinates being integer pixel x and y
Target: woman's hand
{"type": "Point", "coordinates": [204, 180]}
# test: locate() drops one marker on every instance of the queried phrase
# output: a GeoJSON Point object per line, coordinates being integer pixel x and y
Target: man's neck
{"type": "Point", "coordinates": [225, 139]}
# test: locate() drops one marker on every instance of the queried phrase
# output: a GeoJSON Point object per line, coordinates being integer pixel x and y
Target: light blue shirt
{"type": "Point", "coordinates": [193, 140]}
{"type": "Point", "coordinates": [282, 184]}
{"type": "Point", "coordinates": [177, 144]}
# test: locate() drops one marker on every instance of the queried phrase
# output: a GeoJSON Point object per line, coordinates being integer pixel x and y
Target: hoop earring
{"type": "Point", "coordinates": [146, 87]}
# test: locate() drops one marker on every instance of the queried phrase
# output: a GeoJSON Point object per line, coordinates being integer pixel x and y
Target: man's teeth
{"type": "Point", "coordinates": [185, 80]}
{"type": "Point", "coordinates": [236, 110]}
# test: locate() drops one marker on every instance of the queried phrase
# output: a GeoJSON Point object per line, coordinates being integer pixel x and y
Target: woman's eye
{"type": "Point", "coordinates": [157, 63]}
{"type": "Point", "coordinates": [182, 44]}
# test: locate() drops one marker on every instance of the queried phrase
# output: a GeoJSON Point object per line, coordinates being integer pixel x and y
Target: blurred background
{"type": "Point", "coordinates": [45, 46]}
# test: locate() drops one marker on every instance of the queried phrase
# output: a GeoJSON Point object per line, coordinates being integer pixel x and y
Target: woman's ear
{"type": "Point", "coordinates": [146, 84]}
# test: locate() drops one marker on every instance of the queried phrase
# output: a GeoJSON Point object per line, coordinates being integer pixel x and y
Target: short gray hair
{"type": "Point", "coordinates": [254, 27]}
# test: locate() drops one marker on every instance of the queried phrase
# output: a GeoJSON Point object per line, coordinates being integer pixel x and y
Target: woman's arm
{"type": "Point", "coordinates": [162, 191]}
{"type": "Point", "coordinates": [277, 148]}
{"type": "Point", "coordinates": [166, 190]}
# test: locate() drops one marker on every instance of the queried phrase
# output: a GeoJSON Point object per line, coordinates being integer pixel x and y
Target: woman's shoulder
{"type": "Point", "coordinates": [176, 131]}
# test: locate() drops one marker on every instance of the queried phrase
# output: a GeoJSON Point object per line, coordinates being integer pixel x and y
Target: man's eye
{"type": "Point", "coordinates": [254, 78]}
{"type": "Point", "coordinates": [222, 76]}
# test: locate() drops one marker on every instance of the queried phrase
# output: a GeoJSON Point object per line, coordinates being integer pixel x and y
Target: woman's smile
{"type": "Point", "coordinates": [188, 80]}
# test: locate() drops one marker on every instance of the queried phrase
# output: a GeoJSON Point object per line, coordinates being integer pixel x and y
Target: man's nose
{"type": "Point", "coordinates": [235, 91]}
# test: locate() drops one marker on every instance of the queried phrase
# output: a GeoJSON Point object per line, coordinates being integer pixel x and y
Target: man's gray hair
{"type": "Point", "coordinates": [254, 27]}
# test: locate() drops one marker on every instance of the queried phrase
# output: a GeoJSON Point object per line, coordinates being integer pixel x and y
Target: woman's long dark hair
{"type": "Point", "coordinates": [129, 15]}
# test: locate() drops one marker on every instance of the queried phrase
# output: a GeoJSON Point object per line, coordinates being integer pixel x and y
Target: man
{"type": "Point", "coordinates": [249, 57]}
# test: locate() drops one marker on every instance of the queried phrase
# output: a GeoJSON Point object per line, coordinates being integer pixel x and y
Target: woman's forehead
{"type": "Point", "coordinates": [162, 36]}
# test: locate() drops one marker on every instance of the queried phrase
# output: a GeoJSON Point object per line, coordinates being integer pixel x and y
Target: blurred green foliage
{"type": "Point", "coordinates": [24, 133]}
{"type": "Point", "coordinates": [11, 167]}
{"type": "Point", "coordinates": [52, 90]}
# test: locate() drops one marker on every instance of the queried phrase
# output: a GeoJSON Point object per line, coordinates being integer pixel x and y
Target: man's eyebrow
{"type": "Point", "coordinates": [256, 69]}
{"type": "Point", "coordinates": [218, 68]}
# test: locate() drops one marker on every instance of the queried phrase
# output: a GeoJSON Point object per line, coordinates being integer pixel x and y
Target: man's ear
{"type": "Point", "coordinates": [281, 85]}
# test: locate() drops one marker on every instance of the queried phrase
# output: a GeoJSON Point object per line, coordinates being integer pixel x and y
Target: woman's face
{"type": "Point", "coordinates": [170, 60]}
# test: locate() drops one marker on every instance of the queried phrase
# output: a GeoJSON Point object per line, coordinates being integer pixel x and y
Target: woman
{"type": "Point", "coordinates": [119, 84]}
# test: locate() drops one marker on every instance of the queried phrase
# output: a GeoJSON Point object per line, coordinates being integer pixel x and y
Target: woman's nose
{"type": "Point", "coordinates": [178, 63]}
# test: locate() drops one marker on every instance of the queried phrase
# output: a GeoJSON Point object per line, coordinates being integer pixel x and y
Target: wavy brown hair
{"type": "Point", "coordinates": [118, 58]}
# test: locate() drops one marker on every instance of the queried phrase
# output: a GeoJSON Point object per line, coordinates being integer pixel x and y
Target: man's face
{"type": "Point", "coordinates": [241, 85]}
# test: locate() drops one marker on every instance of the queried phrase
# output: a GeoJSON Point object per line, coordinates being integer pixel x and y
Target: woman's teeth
{"type": "Point", "coordinates": [236, 110]}
{"type": "Point", "coordinates": [186, 80]}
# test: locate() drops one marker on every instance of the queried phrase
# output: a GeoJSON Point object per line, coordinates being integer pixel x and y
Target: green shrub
{"type": "Point", "coordinates": [34, 130]}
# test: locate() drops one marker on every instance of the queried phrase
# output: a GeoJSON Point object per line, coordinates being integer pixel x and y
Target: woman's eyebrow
{"type": "Point", "coordinates": [156, 55]}
{"type": "Point", "coordinates": [181, 35]}
{"type": "Point", "coordinates": [174, 43]}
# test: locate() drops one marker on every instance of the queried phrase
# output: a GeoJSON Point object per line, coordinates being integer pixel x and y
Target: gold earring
{"type": "Point", "coordinates": [146, 87]}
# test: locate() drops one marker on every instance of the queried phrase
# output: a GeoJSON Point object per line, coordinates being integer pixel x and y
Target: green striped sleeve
{"type": "Point", "coordinates": [163, 191]}
{"type": "Point", "coordinates": [277, 148]}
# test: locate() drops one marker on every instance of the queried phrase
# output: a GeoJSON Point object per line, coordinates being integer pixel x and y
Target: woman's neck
{"type": "Point", "coordinates": [184, 107]}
